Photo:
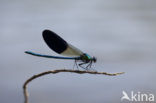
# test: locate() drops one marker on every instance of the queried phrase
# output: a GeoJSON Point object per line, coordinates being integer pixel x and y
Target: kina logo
{"type": "Point", "coordinates": [138, 96]}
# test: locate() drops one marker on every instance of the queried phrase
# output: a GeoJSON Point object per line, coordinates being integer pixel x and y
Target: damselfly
{"type": "Point", "coordinates": [60, 46]}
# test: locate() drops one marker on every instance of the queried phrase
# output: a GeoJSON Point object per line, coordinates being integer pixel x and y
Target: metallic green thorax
{"type": "Point", "coordinates": [85, 57]}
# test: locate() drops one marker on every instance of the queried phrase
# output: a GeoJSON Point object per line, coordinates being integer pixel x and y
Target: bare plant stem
{"type": "Point", "coordinates": [58, 71]}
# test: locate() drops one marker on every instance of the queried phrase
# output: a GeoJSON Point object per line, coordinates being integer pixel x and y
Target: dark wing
{"type": "Point", "coordinates": [59, 45]}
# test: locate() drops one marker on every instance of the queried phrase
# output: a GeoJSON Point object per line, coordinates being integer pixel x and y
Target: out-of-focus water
{"type": "Point", "coordinates": [121, 34]}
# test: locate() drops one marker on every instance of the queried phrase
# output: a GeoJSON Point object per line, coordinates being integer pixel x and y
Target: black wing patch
{"type": "Point", "coordinates": [54, 41]}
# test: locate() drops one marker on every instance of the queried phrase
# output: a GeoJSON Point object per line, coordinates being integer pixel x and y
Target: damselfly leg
{"type": "Point", "coordinates": [75, 63]}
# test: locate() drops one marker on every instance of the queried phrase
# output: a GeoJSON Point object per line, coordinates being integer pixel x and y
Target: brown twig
{"type": "Point", "coordinates": [58, 71]}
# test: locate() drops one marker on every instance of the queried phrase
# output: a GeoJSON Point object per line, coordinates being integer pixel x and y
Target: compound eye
{"type": "Point", "coordinates": [94, 59]}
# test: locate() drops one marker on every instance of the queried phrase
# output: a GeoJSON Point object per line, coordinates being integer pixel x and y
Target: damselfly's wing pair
{"type": "Point", "coordinates": [60, 46]}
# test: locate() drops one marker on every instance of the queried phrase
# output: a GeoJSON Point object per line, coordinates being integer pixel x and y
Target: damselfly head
{"type": "Point", "coordinates": [94, 59]}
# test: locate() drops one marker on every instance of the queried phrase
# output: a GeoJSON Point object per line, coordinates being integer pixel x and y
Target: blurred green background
{"type": "Point", "coordinates": [120, 33]}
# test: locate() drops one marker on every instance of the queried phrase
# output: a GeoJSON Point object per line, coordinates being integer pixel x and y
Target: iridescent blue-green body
{"type": "Point", "coordinates": [86, 58]}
